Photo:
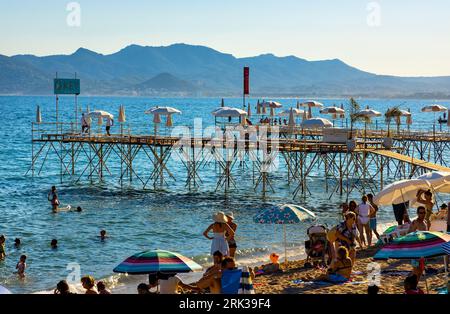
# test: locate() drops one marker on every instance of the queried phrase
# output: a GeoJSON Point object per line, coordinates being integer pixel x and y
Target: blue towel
{"type": "Point", "coordinates": [231, 281]}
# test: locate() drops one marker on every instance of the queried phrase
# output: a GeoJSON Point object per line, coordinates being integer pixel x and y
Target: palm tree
{"type": "Point", "coordinates": [394, 112]}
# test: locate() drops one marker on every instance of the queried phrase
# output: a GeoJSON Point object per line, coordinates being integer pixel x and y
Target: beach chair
{"type": "Point", "coordinates": [236, 281]}
{"type": "Point", "coordinates": [318, 247]}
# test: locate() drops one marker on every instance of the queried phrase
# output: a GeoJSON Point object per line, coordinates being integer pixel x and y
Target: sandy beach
{"type": "Point", "coordinates": [295, 279]}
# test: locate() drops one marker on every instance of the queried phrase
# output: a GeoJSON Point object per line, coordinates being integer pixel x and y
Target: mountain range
{"type": "Point", "coordinates": [187, 70]}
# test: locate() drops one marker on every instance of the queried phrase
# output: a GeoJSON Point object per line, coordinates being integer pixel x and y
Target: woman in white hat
{"type": "Point", "coordinates": [219, 228]}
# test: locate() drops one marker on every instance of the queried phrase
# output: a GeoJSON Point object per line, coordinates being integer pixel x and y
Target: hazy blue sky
{"type": "Point", "coordinates": [411, 38]}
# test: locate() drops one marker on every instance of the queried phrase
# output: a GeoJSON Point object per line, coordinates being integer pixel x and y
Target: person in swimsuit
{"type": "Point", "coordinates": [352, 206]}
{"type": "Point", "coordinates": [373, 216]}
{"type": "Point", "coordinates": [231, 241]}
{"type": "Point", "coordinates": [419, 224]}
{"type": "Point", "coordinates": [344, 210]}
{"type": "Point", "coordinates": [88, 283]}
{"type": "Point", "coordinates": [53, 199]}
{"type": "Point", "coordinates": [347, 233]}
{"type": "Point", "coordinates": [222, 233]}
{"type": "Point", "coordinates": [364, 210]}
{"type": "Point", "coordinates": [2, 247]}
{"type": "Point", "coordinates": [426, 199]}
{"type": "Point", "coordinates": [21, 266]}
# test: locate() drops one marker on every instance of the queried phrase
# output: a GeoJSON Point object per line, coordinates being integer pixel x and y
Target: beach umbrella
{"type": "Point", "coordinates": [162, 111]}
{"type": "Point", "coordinates": [258, 108]}
{"type": "Point", "coordinates": [287, 112]}
{"type": "Point", "coordinates": [434, 108]}
{"type": "Point", "coordinates": [334, 111]}
{"type": "Point", "coordinates": [272, 111]}
{"type": "Point", "coordinates": [446, 248]}
{"type": "Point", "coordinates": [157, 261]}
{"type": "Point", "coordinates": [309, 112]}
{"type": "Point", "coordinates": [249, 111]}
{"type": "Point", "coordinates": [304, 116]}
{"type": "Point", "coordinates": [298, 104]}
{"type": "Point", "coordinates": [229, 112]}
{"type": "Point", "coordinates": [169, 121]}
{"type": "Point", "coordinates": [312, 104]}
{"type": "Point", "coordinates": [271, 104]}
{"type": "Point", "coordinates": [439, 181]}
{"type": "Point", "coordinates": [222, 103]}
{"type": "Point", "coordinates": [414, 245]}
{"type": "Point", "coordinates": [316, 123]}
{"type": "Point", "coordinates": [368, 114]}
{"type": "Point", "coordinates": [3, 290]}
{"type": "Point", "coordinates": [100, 113]}
{"type": "Point", "coordinates": [400, 192]}
{"type": "Point", "coordinates": [342, 115]}
{"type": "Point", "coordinates": [38, 115]}
{"type": "Point", "coordinates": [409, 118]}
{"type": "Point", "coordinates": [291, 118]}
{"type": "Point", "coordinates": [284, 214]}
{"type": "Point", "coordinates": [122, 117]}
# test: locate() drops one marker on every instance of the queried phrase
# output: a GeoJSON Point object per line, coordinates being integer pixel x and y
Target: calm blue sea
{"type": "Point", "coordinates": [135, 219]}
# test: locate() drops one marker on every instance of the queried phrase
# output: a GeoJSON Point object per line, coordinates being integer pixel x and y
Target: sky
{"type": "Point", "coordinates": [395, 37]}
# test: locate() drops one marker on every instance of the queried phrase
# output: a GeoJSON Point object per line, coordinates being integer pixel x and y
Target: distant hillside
{"type": "Point", "coordinates": [182, 69]}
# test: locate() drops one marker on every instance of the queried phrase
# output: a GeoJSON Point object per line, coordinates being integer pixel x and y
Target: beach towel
{"type": "Point", "coordinates": [246, 283]}
{"type": "Point", "coordinates": [231, 281]}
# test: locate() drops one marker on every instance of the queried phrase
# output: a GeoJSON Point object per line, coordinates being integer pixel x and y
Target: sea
{"type": "Point", "coordinates": [138, 219]}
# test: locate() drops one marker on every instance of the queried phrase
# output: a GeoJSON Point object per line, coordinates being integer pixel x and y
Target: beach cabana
{"type": "Point", "coordinates": [316, 123]}
{"type": "Point", "coordinates": [157, 261]}
{"type": "Point", "coordinates": [284, 214]}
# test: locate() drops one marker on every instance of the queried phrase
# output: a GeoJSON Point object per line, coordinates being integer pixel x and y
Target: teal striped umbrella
{"type": "Point", "coordinates": [415, 245]}
{"type": "Point", "coordinates": [157, 261]}
{"type": "Point", "coordinates": [284, 214]}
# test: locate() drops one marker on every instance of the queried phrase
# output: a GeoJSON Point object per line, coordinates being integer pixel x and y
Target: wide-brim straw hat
{"type": "Point", "coordinates": [230, 215]}
{"type": "Point", "coordinates": [220, 217]}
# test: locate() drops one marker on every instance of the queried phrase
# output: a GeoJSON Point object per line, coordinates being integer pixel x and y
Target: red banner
{"type": "Point", "coordinates": [246, 80]}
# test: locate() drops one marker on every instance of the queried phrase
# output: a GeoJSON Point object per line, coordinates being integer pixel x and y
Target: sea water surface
{"type": "Point", "coordinates": [137, 219]}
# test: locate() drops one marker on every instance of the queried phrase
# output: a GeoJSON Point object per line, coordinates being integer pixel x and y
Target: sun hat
{"type": "Point", "coordinates": [220, 217]}
{"type": "Point", "coordinates": [230, 215]}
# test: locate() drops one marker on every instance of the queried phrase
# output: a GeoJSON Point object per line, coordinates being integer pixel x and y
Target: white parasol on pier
{"type": "Point", "coordinates": [311, 104]}
{"type": "Point", "coordinates": [163, 111]}
{"type": "Point", "coordinates": [400, 192]}
{"type": "Point", "coordinates": [434, 108]}
{"type": "Point", "coordinates": [258, 108]}
{"type": "Point", "coordinates": [316, 123]}
{"type": "Point", "coordinates": [368, 114]}
{"type": "Point", "coordinates": [226, 112]}
{"type": "Point", "coordinates": [271, 104]}
{"type": "Point", "coordinates": [122, 117]}
{"type": "Point", "coordinates": [334, 112]}
{"type": "Point", "coordinates": [287, 112]}
{"type": "Point", "coordinates": [291, 118]}
{"type": "Point", "coordinates": [249, 111]}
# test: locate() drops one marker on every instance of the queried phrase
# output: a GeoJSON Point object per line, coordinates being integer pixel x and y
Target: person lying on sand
{"type": "Point", "coordinates": [272, 267]}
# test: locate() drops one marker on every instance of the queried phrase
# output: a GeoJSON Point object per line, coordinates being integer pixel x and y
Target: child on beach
{"type": "Point", "coordinates": [21, 266]}
{"type": "Point", "coordinates": [88, 283]}
{"type": "Point", "coordinates": [2, 247]}
{"type": "Point", "coordinates": [101, 288]}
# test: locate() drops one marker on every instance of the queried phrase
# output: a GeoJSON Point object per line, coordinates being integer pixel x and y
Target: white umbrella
{"type": "Point", "coordinates": [229, 112]}
{"type": "Point", "coordinates": [439, 180]}
{"type": "Point", "coordinates": [332, 110]}
{"type": "Point", "coordinates": [271, 104]}
{"type": "Point", "coordinates": [311, 104]}
{"type": "Point", "coordinates": [434, 108]}
{"type": "Point", "coordinates": [368, 113]}
{"type": "Point", "coordinates": [162, 111]}
{"type": "Point", "coordinates": [249, 111]}
{"type": "Point", "coordinates": [100, 114]}
{"type": "Point", "coordinates": [287, 112]}
{"type": "Point", "coordinates": [400, 192]}
{"type": "Point", "coordinates": [220, 108]}
{"type": "Point", "coordinates": [38, 115]}
{"type": "Point", "coordinates": [316, 123]}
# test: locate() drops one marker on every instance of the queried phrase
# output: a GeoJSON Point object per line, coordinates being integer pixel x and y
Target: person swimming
{"type": "Point", "coordinates": [54, 244]}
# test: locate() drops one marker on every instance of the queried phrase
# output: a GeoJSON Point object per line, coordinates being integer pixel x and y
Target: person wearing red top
{"type": "Point", "coordinates": [410, 285]}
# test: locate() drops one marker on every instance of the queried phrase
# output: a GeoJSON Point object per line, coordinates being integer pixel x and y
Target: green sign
{"type": "Point", "coordinates": [66, 86]}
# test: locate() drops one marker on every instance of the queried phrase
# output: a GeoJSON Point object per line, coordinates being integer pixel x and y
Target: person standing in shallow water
{"type": "Point", "coordinates": [222, 233]}
{"type": "Point", "coordinates": [53, 199]}
{"type": "Point", "coordinates": [231, 241]}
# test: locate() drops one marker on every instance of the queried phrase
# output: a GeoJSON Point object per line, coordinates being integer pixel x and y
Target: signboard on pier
{"type": "Point", "coordinates": [66, 86]}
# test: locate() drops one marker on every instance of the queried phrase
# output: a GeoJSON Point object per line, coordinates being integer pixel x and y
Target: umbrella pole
{"type": "Point", "coordinates": [285, 245]}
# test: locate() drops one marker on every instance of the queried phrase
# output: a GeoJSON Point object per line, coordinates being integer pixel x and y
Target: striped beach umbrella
{"type": "Point", "coordinates": [157, 261]}
{"type": "Point", "coordinates": [446, 248]}
{"type": "Point", "coordinates": [284, 214]}
{"type": "Point", "coordinates": [415, 245]}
